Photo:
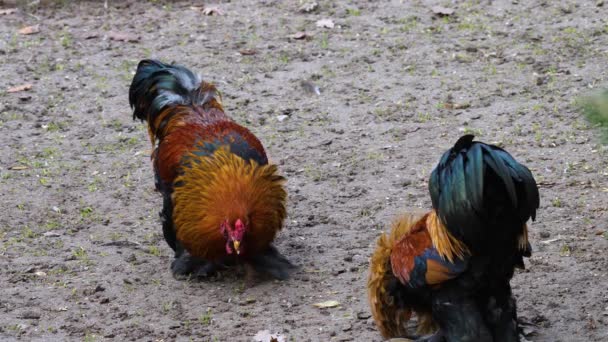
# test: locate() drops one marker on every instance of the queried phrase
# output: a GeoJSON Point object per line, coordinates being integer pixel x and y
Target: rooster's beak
{"type": "Point", "coordinates": [237, 244]}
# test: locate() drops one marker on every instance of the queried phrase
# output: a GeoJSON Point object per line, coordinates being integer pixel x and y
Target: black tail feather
{"type": "Point", "coordinates": [475, 184]}
{"type": "Point", "coordinates": [156, 85]}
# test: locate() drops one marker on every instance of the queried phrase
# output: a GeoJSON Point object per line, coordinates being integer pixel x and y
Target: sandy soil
{"type": "Point", "coordinates": [82, 256]}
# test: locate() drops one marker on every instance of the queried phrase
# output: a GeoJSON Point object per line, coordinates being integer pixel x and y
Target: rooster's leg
{"type": "Point", "coordinates": [273, 263]}
{"type": "Point", "coordinates": [250, 275]}
{"type": "Point", "coordinates": [187, 265]}
{"type": "Point", "coordinates": [167, 222]}
{"type": "Point", "coordinates": [502, 314]}
{"type": "Point", "coordinates": [456, 312]}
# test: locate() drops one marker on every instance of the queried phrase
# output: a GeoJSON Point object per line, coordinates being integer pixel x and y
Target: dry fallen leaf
{"type": "Point", "coordinates": [308, 7]}
{"type": "Point", "coordinates": [30, 29]}
{"type": "Point", "coordinates": [123, 37]}
{"type": "Point", "coordinates": [327, 304]}
{"type": "Point", "coordinates": [266, 336]}
{"type": "Point", "coordinates": [301, 35]}
{"type": "Point", "coordinates": [442, 11]}
{"type": "Point", "coordinates": [212, 10]}
{"type": "Point", "coordinates": [6, 11]}
{"type": "Point", "coordinates": [247, 52]}
{"type": "Point", "coordinates": [17, 89]}
{"type": "Point", "coordinates": [325, 23]}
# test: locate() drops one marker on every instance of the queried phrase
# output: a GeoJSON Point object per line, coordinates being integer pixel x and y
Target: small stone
{"type": "Point", "coordinates": [545, 235]}
{"type": "Point", "coordinates": [363, 315]}
{"type": "Point", "coordinates": [282, 118]}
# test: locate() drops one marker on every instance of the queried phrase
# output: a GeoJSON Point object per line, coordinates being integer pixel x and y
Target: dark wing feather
{"type": "Point", "coordinates": [237, 143]}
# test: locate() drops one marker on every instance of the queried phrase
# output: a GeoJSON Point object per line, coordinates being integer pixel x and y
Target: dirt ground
{"type": "Point", "coordinates": [82, 255]}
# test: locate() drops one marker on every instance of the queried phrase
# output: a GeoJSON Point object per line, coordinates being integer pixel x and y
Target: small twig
{"type": "Point", "coordinates": [123, 243]}
{"type": "Point", "coordinates": [552, 240]}
{"type": "Point", "coordinates": [546, 184]}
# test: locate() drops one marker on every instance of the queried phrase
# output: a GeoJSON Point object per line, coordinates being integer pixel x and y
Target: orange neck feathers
{"type": "Point", "coordinates": [224, 187]}
{"type": "Point", "coordinates": [445, 243]}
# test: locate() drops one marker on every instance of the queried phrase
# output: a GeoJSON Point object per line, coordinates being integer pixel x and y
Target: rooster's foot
{"type": "Point", "coordinates": [188, 266]}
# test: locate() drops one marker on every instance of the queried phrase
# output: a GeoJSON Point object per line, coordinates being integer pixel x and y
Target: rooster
{"type": "Point", "coordinates": [452, 266]}
{"type": "Point", "coordinates": [223, 201]}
